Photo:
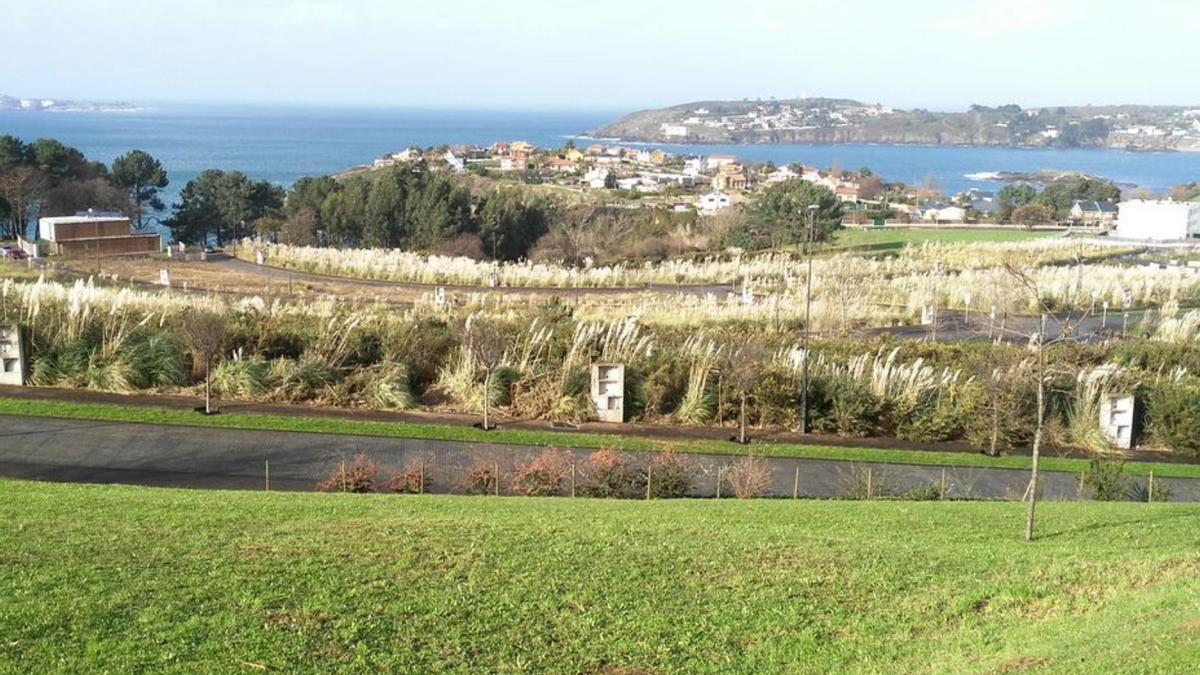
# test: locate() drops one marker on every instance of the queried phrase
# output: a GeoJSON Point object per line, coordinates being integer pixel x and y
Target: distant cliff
{"type": "Point", "coordinates": [13, 103]}
{"type": "Point", "coordinates": [821, 120]}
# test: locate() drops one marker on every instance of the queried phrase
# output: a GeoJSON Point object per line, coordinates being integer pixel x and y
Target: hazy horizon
{"type": "Point", "coordinates": [624, 55]}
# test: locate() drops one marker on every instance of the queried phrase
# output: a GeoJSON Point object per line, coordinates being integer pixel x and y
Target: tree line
{"type": "Point", "coordinates": [1023, 203]}
{"type": "Point", "coordinates": [409, 206]}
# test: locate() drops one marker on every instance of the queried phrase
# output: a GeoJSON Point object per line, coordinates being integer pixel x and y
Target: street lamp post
{"type": "Point", "coordinates": [808, 240]}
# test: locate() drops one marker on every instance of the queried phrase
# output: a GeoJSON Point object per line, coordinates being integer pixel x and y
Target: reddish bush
{"type": "Point", "coordinates": [606, 475]}
{"type": "Point", "coordinates": [543, 476]}
{"type": "Point", "coordinates": [412, 480]}
{"type": "Point", "coordinates": [481, 478]}
{"type": "Point", "coordinates": [358, 476]}
{"type": "Point", "coordinates": [670, 476]}
{"type": "Point", "coordinates": [749, 477]}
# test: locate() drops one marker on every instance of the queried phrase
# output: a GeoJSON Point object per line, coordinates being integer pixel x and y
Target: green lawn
{"type": "Point", "coordinates": [446, 432]}
{"type": "Point", "coordinates": [19, 271]}
{"type": "Point", "coordinates": [894, 239]}
{"type": "Point", "coordinates": [120, 579]}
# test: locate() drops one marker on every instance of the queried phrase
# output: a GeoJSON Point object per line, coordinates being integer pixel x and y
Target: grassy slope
{"type": "Point", "coordinates": [895, 239]}
{"type": "Point", "coordinates": [115, 413]}
{"type": "Point", "coordinates": [122, 579]}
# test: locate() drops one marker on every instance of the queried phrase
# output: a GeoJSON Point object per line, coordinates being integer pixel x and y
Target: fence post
{"type": "Point", "coordinates": [496, 478]}
{"type": "Point", "coordinates": [572, 477]}
{"type": "Point", "coordinates": [870, 476]}
{"type": "Point", "coordinates": [1150, 489]}
{"type": "Point", "coordinates": [718, 482]}
{"type": "Point", "coordinates": [1079, 492]}
{"type": "Point", "coordinates": [343, 474]}
{"type": "Point", "coordinates": [942, 487]}
{"type": "Point", "coordinates": [649, 478]}
{"type": "Point", "coordinates": [421, 477]}
{"type": "Point", "coordinates": [796, 483]}
{"type": "Point", "coordinates": [267, 475]}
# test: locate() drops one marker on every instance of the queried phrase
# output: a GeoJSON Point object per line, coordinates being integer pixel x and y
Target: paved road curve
{"type": "Point", "coordinates": [142, 454]}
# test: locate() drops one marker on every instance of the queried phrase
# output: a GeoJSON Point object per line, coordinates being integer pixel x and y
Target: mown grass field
{"type": "Point", "coordinates": [119, 579]}
{"type": "Point", "coordinates": [546, 438]}
{"type": "Point", "coordinates": [894, 239]}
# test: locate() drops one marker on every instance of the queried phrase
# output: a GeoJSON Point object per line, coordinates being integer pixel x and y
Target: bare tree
{"type": "Point", "coordinates": [204, 332]}
{"type": "Point", "coordinates": [487, 342]}
{"type": "Point", "coordinates": [743, 370]}
{"type": "Point", "coordinates": [1038, 342]}
{"type": "Point", "coordinates": [22, 187]}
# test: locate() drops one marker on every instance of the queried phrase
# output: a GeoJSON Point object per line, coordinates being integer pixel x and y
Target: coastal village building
{"type": "Point", "coordinates": [596, 178]}
{"type": "Point", "coordinates": [720, 161]}
{"type": "Point", "coordinates": [730, 177]}
{"type": "Point", "coordinates": [1093, 214]}
{"type": "Point", "coordinates": [94, 234]}
{"type": "Point", "coordinates": [944, 213]}
{"type": "Point", "coordinates": [1149, 220]}
{"type": "Point", "coordinates": [782, 174]}
{"type": "Point", "coordinates": [712, 202]}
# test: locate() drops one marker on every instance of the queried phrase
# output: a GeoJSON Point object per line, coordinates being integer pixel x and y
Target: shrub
{"type": "Point", "coordinates": [358, 476]}
{"type": "Point", "coordinates": [410, 480]}
{"type": "Point", "coordinates": [853, 410]}
{"type": "Point", "coordinates": [1104, 479]}
{"type": "Point", "coordinates": [482, 478]}
{"type": "Point", "coordinates": [940, 420]}
{"type": "Point", "coordinates": [749, 477]}
{"type": "Point", "coordinates": [1140, 492]}
{"type": "Point", "coordinates": [543, 476]}
{"type": "Point", "coordinates": [670, 476]}
{"type": "Point", "coordinates": [605, 474]}
{"type": "Point", "coordinates": [865, 483]}
{"type": "Point", "coordinates": [1173, 416]}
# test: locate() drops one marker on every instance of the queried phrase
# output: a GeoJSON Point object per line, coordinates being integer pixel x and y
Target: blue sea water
{"type": "Point", "coordinates": [281, 144]}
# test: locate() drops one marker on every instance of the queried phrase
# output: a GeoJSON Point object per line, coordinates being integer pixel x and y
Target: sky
{"type": "Point", "coordinates": [603, 54]}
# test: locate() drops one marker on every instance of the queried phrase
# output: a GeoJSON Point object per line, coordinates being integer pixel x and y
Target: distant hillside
{"type": "Point", "coordinates": [61, 105]}
{"type": "Point", "coordinates": [823, 120]}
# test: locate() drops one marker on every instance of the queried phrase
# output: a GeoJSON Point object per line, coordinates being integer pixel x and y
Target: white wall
{"type": "Point", "coordinates": [1157, 221]}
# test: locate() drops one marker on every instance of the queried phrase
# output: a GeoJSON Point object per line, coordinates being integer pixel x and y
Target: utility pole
{"type": "Point", "coordinates": [808, 240]}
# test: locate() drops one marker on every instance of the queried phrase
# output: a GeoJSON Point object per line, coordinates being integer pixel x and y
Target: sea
{"type": "Point", "coordinates": [283, 143]}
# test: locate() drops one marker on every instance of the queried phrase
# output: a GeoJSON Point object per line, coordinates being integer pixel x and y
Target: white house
{"type": "Point", "coordinates": [694, 166]}
{"type": "Point", "coordinates": [596, 177]}
{"type": "Point", "coordinates": [942, 213]}
{"type": "Point", "coordinates": [626, 183]}
{"type": "Point", "coordinates": [780, 175]}
{"type": "Point", "coordinates": [712, 202]}
{"type": "Point", "coordinates": [1158, 220]}
{"type": "Point", "coordinates": [457, 164]}
{"type": "Point", "coordinates": [718, 161]}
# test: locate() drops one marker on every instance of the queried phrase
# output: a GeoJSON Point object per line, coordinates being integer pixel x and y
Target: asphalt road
{"type": "Point", "coordinates": [141, 454]}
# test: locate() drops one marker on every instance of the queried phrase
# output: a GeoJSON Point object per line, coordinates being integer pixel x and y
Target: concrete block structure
{"type": "Point", "coordinates": [608, 391]}
{"type": "Point", "coordinates": [12, 355]}
{"type": "Point", "coordinates": [1118, 414]}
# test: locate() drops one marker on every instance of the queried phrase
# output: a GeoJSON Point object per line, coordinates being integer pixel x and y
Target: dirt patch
{"type": "Point", "coordinates": [1023, 664]}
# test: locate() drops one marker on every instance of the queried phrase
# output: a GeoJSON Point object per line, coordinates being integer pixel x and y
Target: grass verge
{"type": "Point", "coordinates": [120, 579]}
{"type": "Point", "coordinates": [445, 432]}
{"type": "Point", "coordinates": [894, 239]}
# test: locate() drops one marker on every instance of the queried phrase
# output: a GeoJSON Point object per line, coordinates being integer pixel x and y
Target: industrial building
{"type": "Point", "coordinates": [1149, 220]}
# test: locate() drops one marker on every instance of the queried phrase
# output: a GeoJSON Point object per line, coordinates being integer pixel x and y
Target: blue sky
{"type": "Point", "coordinates": [620, 54]}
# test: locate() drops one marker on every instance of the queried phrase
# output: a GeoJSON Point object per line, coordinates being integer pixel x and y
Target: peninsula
{"type": "Point", "coordinates": [827, 120]}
